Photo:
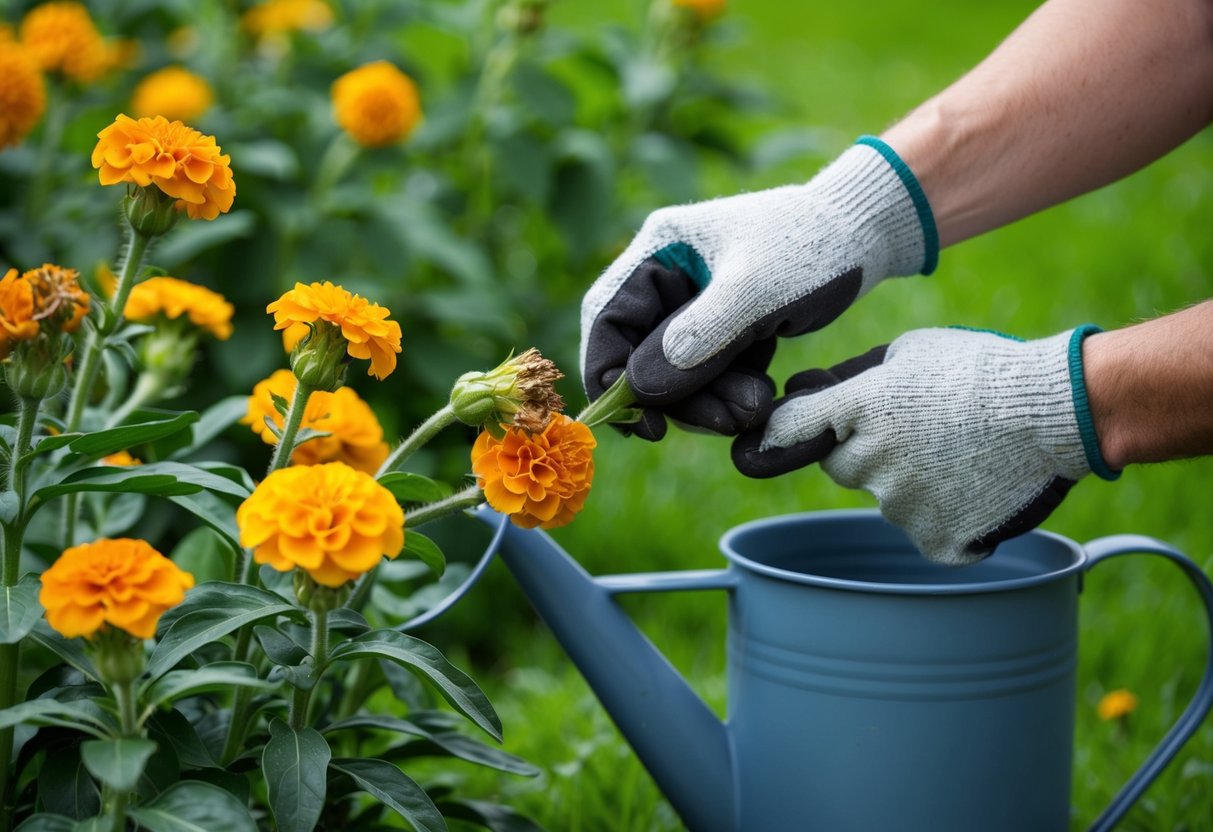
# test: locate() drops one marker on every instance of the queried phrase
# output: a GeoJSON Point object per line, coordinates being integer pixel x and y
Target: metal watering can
{"type": "Point", "coordinates": [868, 688]}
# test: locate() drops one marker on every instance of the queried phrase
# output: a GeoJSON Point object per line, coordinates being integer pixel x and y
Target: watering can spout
{"type": "Point", "coordinates": [681, 742]}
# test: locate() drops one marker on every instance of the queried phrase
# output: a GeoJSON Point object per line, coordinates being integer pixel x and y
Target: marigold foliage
{"type": "Point", "coordinates": [1116, 704]}
{"type": "Point", "coordinates": [376, 104]}
{"type": "Point", "coordinates": [173, 92]}
{"type": "Point", "coordinates": [364, 325]}
{"type": "Point", "coordinates": [278, 17]}
{"type": "Point", "coordinates": [22, 93]}
{"type": "Point", "coordinates": [355, 435]}
{"type": "Point", "coordinates": [329, 520]}
{"type": "Point", "coordinates": [173, 298]}
{"type": "Point", "coordinates": [183, 163]}
{"type": "Point", "coordinates": [58, 296]}
{"type": "Point", "coordinates": [17, 321]}
{"type": "Point", "coordinates": [124, 583]}
{"type": "Point", "coordinates": [63, 38]}
{"type": "Point", "coordinates": [539, 479]}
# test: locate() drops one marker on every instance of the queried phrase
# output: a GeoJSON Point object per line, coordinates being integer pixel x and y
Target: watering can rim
{"type": "Point", "coordinates": [1078, 560]}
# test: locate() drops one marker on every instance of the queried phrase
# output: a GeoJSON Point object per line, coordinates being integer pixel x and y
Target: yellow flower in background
{"type": "Point", "coordinates": [22, 93]}
{"type": "Point", "coordinates": [363, 325]}
{"type": "Point", "coordinates": [376, 104]}
{"type": "Point", "coordinates": [704, 10]}
{"type": "Point", "coordinates": [1116, 704]}
{"type": "Point", "coordinates": [63, 38]}
{"type": "Point", "coordinates": [538, 479]}
{"type": "Point", "coordinates": [121, 459]}
{"type": "Point", "coordinates": [183, 163]}
{"type": "Point", "coordinates": [17, 321]}
{"type": "Point", "coordinates": [124, 583]}
{"type": "Point", "coordinates": [355, 436]}
{"type": "Point", "coordinates": [329, 520]}
{"type": "Point", "coordinates": [174, 298]}
{"type": "Point", "coordinates": [278, 17]}
{"type": "Point", "coordinates": [58, 296]}
{"type": "Point", "coordinates": [173, 92]}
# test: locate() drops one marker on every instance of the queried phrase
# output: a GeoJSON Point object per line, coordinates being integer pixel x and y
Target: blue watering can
{"type": "Point", "coordinates": [868, 688]}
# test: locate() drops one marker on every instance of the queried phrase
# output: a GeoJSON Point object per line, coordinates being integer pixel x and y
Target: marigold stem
{"type": "Point", "coordinates": [615, 405]}
{"type": "Point", "coordinates": [147, 387]}
{"type": "Point", "coordinates": [293, 419]}
{"type": "Point", "coordinates": [426, 431]}
{"type": "Point", "coordinates": [467, 498]}
{"type": "Point", "coordinates": [320, 657]}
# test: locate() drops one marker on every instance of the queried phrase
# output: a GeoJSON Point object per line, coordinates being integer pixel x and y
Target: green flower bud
{"type": "Point", "coordinates": [118, 656]}
{"type": "Point", "coordinates": [150, 211]}
{"type": "Point", "coordinates": [518, 391]}
{"type": "Point", "coordinates": [320, 359]}
{"type": "Point", "coordinates": [317, 597]}
{"type": "Point", "coordinates": [169, 352]}
{"type": "Point", "coordinates": [36, 369]}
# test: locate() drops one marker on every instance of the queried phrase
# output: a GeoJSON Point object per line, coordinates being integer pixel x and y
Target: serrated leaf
{"type": "Point", "coordinates": [408, 487]}
{"type": "Point", "coordinates": [425, 550]}
{"type": "Point", "coordinates": [192, 806]}
{"type": "Point", "coordinates": [121, 438]}
{"type": "Point", "coordinates": [196, 629]}
{"type": "Point", "coordinates": [389, 784]}
{"type": "Point", "coordinates": [117, 763]}
{"type": "Point", "coordinates": [19, 609]}
{"type": "Point", "coordinates": [295, 765]}
{"type": "Point", "coordinates": [217, 676]}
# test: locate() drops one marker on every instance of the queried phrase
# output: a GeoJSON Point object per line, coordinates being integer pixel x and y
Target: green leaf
{"type": "Point", "coordinates": [407, 487]}
{"type": "Point", "coordinates": [191, 806]}
{"type": "Point", "coordinates": [205, 554]}
{"type": "Point", "coordinates": [389, 784]}
{"type": "Point", "coordinates": [215, 676]}
{"type": "Point", "coordinates": [19, 609]}
{"type": "Point", "coordinates": [217, 512]}
{"type": "Point", "coordinates": [294, 764]}
{"type": "Point", "coordinates": [278, 648]}
{"type": "Point", "coordinates": [120, 513]}
{"type": "Point", "coordinates": [543, 95]}
{"type": "Point", "coordinates": [448, 742]}
{"type": "Point", "coordinates": [117, 763]}
{"type": "Point", "coordinates": [456, 687]}
{"type": "Point", "coordinates": [196, 629]}
{"type": "Point", "coordinates": [132, 480]}
{"type": "Point", "coordinates": [46, 444]}
{"type": "Point", "coordinates": [220, 595]}
{"type": "Point", "coordinates": [10, 507]}
{"type": "Point", "coordinates": [82, 715]}
{"type": "Point", "coordinates": [44, 822]}
{"type": "Point", "coordinates": [69, 650]}
{"type": "Point", "coordinates": [65, 787]}
{"type": "Point", "coordinates": [171, 729]}
{"type": "Point", "coordinates": [492, 816]}
{"type": "Point", "coordinates": [215, 420]}
{"type": "Point", "coordinates": [425, 550]}
{"type": "Point", "coordinates": [123, 437]}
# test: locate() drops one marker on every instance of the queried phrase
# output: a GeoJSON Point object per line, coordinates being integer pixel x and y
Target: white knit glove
{"type": "Point", "coordinates": [692, 306]}
{"type": "Point", "coordinates": [966, 438]}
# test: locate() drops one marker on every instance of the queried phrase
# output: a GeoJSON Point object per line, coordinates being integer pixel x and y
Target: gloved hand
{"type": "Point", "coordinates": [692, 307]}
{"type": "Point", "coordinates": [966, 438]}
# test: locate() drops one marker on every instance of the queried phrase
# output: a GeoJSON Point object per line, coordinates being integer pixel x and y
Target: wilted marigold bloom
{"type": "Point", "coordinates": [22, 93]}
{"type": "Point", "coordinates": [538, 479]}
{"type": "Point", "coordinates": [121, 459]}
{"type": "Point", "coordinates": [364, 325]}
{"type": "Point", "coordinates": [278, 17]}
{"type": "Point", "coordinates": [518, 391]}
{"type": "Point", "coordinates": [180, 161]}
{"type": "Point", "coordinates": [124, 583]}
{"type": "Point", "coordinates": [1116, 704]}
{"type": "Point", "coordinates": [63, 38]}
{"type": "Point", "coordinates": [704, 10]}
{"type": "Point", "coordinates": [173, 92]}
{"type": "Point", "coordinates": [58, 296]}
{"type": "Point", "coordinates": [173, 298]}
{"type": "Point", "coordinates": [329, 520]}
{"type": "Point", "coordinates": [376, 104]}
{"type": "Point", "coordinates": [355, 436]}
{"type": "Point", "coordinates": [17, 321]}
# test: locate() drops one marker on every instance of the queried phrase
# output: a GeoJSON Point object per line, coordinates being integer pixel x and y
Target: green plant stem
{"type": "Point", "coordinates": [235, 729]}
{"type": "Point", "coordinates": [320, 657]}
{"type": "Point", "coordinates": [27, 418]}
{"type": "Point", "coordinates": [467, 498]}
{"type": "Point", "coordinates": [293, 419]}
{"type": "Point", "coordinates": [427, 430]}
{"type": "Point", "coordinates": [124, 695]}
{"type": "Point", "coordinates": [148, 388]}
{"type": "Point", "coordinates": [615, 405]}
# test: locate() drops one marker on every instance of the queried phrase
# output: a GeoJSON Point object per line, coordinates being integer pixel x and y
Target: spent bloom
{"type": "Point", "coordinates": [376, 104]}
{"type": "Point", "coordinates": [174, 298]}
{"type": "Point", "coordinates": [22, 92]}
{"type": "Point", "coordinates": [173, 92]}
{"type": "Point", "coordinates": [339, 320]}
{"type": "Point", "coordinates": [517, 391]}
{"type": "Point", "coordinates": [63, 38]}
{"type": "Point", "coordinates": [124, 583]}
{"type": "Point", "coordinates": [1116, 704]}
{"type": "Point", "coordinates": [280, 17]}
{"type": "Point", "coordinates": [538, 479]}
{"type": "Point", "coordinates": [354, 434]}
{"type": "Point", "coordinates": [182, 163]}
{"type": "Point", "coordinates": [58, 297]}
{"type": "Point", "coordinates": [333, 522]}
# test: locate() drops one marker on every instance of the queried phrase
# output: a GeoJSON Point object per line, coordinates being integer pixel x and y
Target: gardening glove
{"type": "Point", "coordinates": [692, 307]}
{"type": "Point", "coordinates": [966, 438]}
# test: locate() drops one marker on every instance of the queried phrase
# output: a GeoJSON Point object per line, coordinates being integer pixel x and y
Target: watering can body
{"type": "Point", "coordinates": [868, 689]}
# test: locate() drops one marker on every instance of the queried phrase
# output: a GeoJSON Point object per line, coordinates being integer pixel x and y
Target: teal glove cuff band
{"type": "Point", "coordinates": [1082, 406]}
{"type": "Point", "coordinates": [930, 234]}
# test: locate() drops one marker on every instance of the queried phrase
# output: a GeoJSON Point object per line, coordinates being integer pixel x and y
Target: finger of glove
{"type": "Point", "coordinates": [738, 400]}
{"type": "Point", "coordinates": [803, 429]}
{"type": "Point", "coordinates": [652, 422]}
{"type": "Point", "coordinates": [816, 379]}
{"type": "Point", "coordinates": [1022, 521]}
{"type": "Point", "coordinates": [645, 299]}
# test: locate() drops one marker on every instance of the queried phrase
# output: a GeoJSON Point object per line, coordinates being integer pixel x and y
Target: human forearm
{"type": "Point", "coordinates": [1082, 93]}
{"type": "Point", "coordinates": [1150, 387]}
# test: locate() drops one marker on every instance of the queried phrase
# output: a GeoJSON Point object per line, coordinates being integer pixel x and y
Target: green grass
{"type": "Point", "coordinates": [1131, 251]}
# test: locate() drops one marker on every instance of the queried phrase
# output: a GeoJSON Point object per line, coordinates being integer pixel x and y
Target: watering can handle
{"type": "Point", "coordinates": [1109, 547]}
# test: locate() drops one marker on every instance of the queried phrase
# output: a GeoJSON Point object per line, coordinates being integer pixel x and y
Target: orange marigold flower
{"type": "Point", "coordinates": [58, 296]}
{"type": "Point", "coordinates": [63, 38]}
{"type": "Point", "coordinates": [22, 93]}
{"type": "Point", "coordinates": [17, 321]}
{"type": "Point", "coordinates": [703, 10]}
{"type": "Point", "coordinates": [1116, 704]}
{"type": "Point", "coordinates": [364, 325]}
{"type": "Point", "coordinates": [183, 163]}
{"type": "Point", "coordinates": [376, 104]}
{"type": "Point", "coordinates": [329, 520]}
{"type": "Point", "coordinates": [124, 583]}
{"type": "Point", "coordinates": [121, 459]}
{"type": "Point", "coordinates": [355, 436]}
{"type": "Point", "coordinates": [277, 17]}
{"type": "Point", "coordinates": [173, 92]}
{"type": "Point", "coordinates": [173, 298]}
{"type": "Point", "coordinates": [539, 479]}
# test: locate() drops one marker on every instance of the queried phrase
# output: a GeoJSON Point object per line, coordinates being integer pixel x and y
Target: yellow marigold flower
{"type": "Point", "coordinates": [1116, 704]}
{"type": "Point", "coordinates": [58, 296]}
{"type": "Point", "coordinates": [121, 459]}
{"type": "Point", "coordinates": [180, 161]}
{"type": "Point", "coordinates": [22, 93]}
{"type": "Point", "coordinates": [173, 92]}
{"type": "Point", "coordinates": [63, 38]}
{"type": "Point", "coordinates": [329, 520]}
{"type": "Point", "coordinates": [173, 297]}
{"type": "Point", "coordinates": [17, 321]}
{"type": "Point", "coordinates": [703, 10]}
{"type": "Point", "coordinates": [277, 17]}
{"type": "Point", "coordinates": [124, 583]}
{"type": "Point", "coordinates": [355, 436]}
{"type": "Point", "coordinates": [538, 479]}
{"type": "Point", "coordinates": [376, 104]}
{"type": "Point", "coordinates": [364, 325]}
{"type": "Point", "coordinates": [293, 334]}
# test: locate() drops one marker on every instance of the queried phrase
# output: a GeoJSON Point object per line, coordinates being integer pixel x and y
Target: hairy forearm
{"type": "Point", "coordinates": [1150, 388]}
{"type": "Point", "coordinates": [1083, 93]}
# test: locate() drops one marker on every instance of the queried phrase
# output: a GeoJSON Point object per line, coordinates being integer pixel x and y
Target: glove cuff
{"type": "Point", "coordinates": [1082, 405]}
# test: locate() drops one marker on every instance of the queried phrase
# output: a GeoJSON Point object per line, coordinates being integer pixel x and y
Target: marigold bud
{"type": "Point", "coordinates": [318, 597]}
{"type": "Point", "coordinates": [518, 391]}
{"type": "Point", "coordinates": [150, 211]}
{"type": "Point", "coordinates": [35, 369]}
{"type": "Point", "coordinates": [319, 360]}
{"type": "Point", "coordinates": [118, 656]}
